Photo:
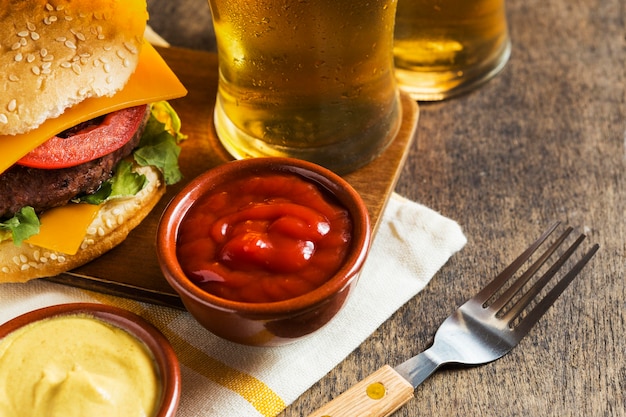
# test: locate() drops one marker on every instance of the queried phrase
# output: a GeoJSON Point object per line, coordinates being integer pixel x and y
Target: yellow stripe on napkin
{"type": "Point", "coordinates": [253, 390]}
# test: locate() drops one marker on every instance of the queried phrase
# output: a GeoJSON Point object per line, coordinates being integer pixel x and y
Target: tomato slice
{"type": "Point", "coordinates": [94, 140]}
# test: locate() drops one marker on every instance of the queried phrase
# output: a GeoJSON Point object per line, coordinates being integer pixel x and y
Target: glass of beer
{"type": "Point", "coordinates": [447, 47]}
{"type": "Point", "coordinates": [310, 79]}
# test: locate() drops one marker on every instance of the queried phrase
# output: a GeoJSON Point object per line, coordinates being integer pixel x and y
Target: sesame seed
{"type": "Point", "coordinates": [48, 58]}
{"type": "Point", "coordinates": [131, 48]}
{"type": "Point", "coordinates": [61, 39]}
{"type": "Point", "coordinates": [53, 256]}
{"type": "Point", "coordinates": [107, 67]}
{"type": "Point", "coordinates": [4, 119]}
{"type": "Point", "coordinates": [46, 20]}
{"type": "Point", "coordinates": [126, 62]}
{"type": "Point", "coordinates": [53, 19]}
{"type": "Point", "coordinates": [18, 57]}
{"type": "Point", "coordinates": [30, 58]}
{"type": "Point", "coordinates": [69, 18]}
{"type": "Point", "coordinates": [101, 231]}
{"type": "Point", "coordinates": [30, 26]}
{"type": "Point", "coordinates": [46, 71]}
{"type": "Point", "coordinates": [61, 258]}
{"type": "Point", "coordinates": [43, 260]}
{"type": "Point", "coordinates": [23, 258]}
{"type": "Point", "coordinates": [16, 260]}
{"type": "Point", "coordinates": [36, 70]}
{"type": "Point", "coordinates": [43, 52]}
{"type": "Point", "coordinates": [60, 7]}
{"type": "Point", "coordinates": [109, 79]}
{"type": "Point", "coordinates": [13, 77]}
{"type": "Point", "coordinates": [12, 105]}
{"type": "Point", "coordinates": [36, 255]}
{"type": "Point", "coordinates": [24, 267]}
{"type": "Point", "coordinates": [16, 46]}
{"type": "Point", "coordinates": [80, 36]}
{"type": "Point", "coordinates": [76, 68]}
{"type": "Point", "coordinates": [66, 65]}
{"type": "Point", "coordinates": [120, 219]}
{"type": "Point", "coordinates": [70, 44]}
{"type": "Point", "coordinates": [22, 34]}
{"type": "Point", "coordinates": [34, 36]}
{"type": "Point", "coordinates": [5, 269]}
{"type": "Point", "coordinates": [120, 54]}
{"type": "Point", "coordinates": [49, 7]}
{"type": "Point", "coordinates": [46, 65]}
{"type": "Point", "coordinates": [23, 41]}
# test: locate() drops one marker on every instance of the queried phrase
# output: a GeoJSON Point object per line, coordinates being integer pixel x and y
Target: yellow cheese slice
{"type": "Point", "coordinates": [63, 228]}
{"type": "Point", "coordinates": [152, 81]}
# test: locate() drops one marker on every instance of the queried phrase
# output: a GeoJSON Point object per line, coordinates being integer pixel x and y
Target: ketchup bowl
{"type": "Point", "coordinates": [264, 251]}
{"type": "Point", "coordinates": [90, 358]}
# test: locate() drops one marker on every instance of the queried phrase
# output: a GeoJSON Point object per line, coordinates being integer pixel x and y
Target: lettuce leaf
{"type": "Point", "coordinates": [124, 183]}
{"type": "Point", "coordinates": [159, 144]}
{"type": "Point", "coordinates": [20, 227]}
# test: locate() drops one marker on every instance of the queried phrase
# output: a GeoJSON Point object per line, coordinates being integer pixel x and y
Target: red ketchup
{"type": "Point", "coordinates": [264, 238]}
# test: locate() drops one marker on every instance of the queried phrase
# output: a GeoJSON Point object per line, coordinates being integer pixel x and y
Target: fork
{"type": "Point", "coordinates": [482, 330]}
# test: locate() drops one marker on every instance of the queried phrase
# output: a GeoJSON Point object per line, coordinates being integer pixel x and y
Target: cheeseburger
{"type": "Point", "coordinates": [87, 141]}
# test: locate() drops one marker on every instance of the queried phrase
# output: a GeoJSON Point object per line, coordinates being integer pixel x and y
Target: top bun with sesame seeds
{"type": "Point", "coordinates": [56, 53]}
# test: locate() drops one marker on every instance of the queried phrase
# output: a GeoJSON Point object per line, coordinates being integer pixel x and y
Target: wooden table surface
{"type": "Point", "coordinates": [543, 141]}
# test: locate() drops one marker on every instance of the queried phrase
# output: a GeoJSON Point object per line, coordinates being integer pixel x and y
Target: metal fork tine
{"type": "Point", "coordinates": [503, 299]}
{"type": "Point", "coordinates": [523, 302]}
{"type": "Point", "coordinates": [488, 291]}
{"type": "Point", "coordinates": [538, 310]}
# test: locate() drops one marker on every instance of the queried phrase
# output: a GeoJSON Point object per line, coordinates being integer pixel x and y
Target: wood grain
{"type": "Point", "coordinates": [131, 269]}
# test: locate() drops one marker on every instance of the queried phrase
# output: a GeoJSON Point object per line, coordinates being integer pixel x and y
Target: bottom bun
{"type": "Point", "coordinates": [113, 223]}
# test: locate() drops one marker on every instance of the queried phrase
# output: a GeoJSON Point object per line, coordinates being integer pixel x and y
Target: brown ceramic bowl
{"type": "Point", "coordinates": [166, 361]}
{"type": "Point", "coordinates": [264, 323]}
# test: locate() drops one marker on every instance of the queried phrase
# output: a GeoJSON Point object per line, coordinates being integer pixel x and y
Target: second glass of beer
{"type": "Point", "coordinates": [310, 79]}
{"type": "Point", "coordinates": [447, 47]}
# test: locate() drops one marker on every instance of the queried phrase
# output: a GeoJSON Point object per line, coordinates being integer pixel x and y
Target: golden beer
{"type": "Point", "coordinates": [309, 79]}
{"type": "Point", "coordinates": [448, 47]}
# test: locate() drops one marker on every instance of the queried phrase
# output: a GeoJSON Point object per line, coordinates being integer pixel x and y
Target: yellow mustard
{"type": "Point", "coordinates": [76, 366]}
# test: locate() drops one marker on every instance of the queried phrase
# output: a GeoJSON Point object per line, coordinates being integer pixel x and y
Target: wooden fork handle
{"type": "Point", "coordinates": [378, 395]}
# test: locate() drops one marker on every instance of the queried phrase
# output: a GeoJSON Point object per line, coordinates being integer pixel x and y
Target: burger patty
{"type": "Point", "coordinates": [43, 189]}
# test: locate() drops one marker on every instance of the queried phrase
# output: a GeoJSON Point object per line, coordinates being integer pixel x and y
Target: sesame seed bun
{"type": "Point", "coordinates": [57, 53]}
{"type": "Point", "coordinates": [114, 221]}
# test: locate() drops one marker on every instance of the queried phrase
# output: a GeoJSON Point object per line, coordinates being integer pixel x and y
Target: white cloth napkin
{"type": "Point", "coordinates": [222, 379]}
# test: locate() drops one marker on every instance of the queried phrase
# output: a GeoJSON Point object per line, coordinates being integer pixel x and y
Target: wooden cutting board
{"type": "Point", "coordinates": [131, 269]}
